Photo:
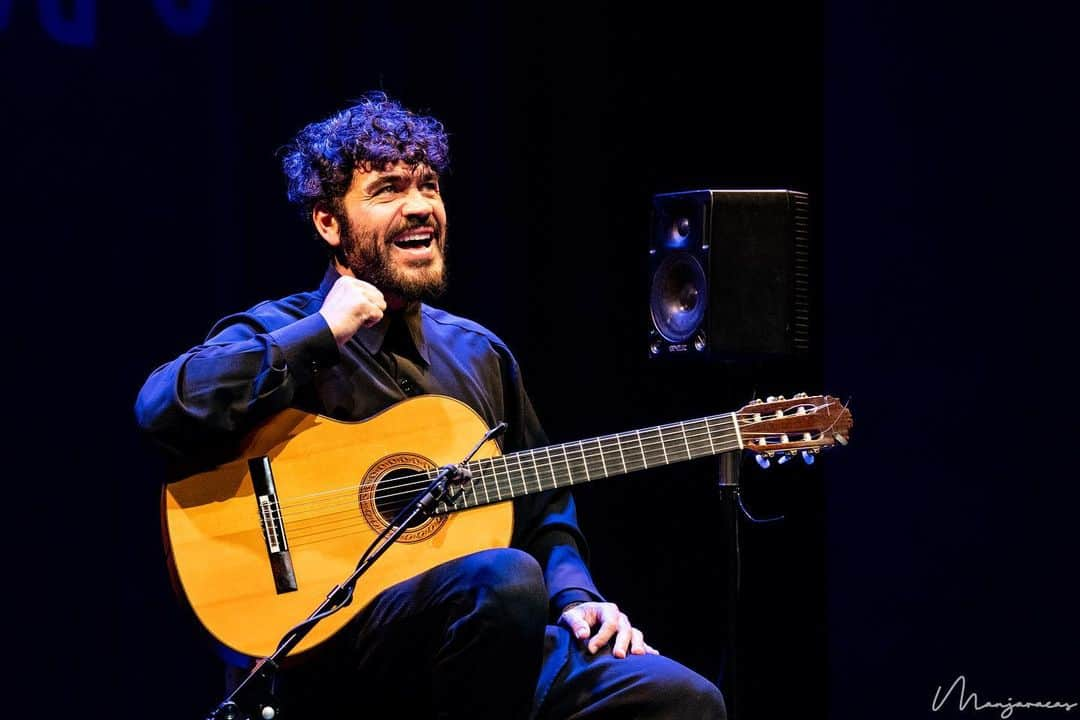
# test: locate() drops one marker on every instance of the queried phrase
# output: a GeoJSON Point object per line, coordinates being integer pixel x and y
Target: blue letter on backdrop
{"type": "Point", "coordinates": [183, 18]}
{"type": "Point", "coordinates": [75, 30]}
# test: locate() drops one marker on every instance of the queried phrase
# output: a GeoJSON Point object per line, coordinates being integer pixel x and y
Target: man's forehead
{"type": "Point", "coordinates": [395, 169]}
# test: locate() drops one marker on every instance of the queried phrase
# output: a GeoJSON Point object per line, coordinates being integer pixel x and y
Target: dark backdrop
{"type": "Point", "coordinates": [145, 200]}
{"type": "Point", "coordinates": [951, 178]}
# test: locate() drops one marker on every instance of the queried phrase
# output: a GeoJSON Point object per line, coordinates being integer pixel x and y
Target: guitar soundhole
{"type": "Point", "coordinates": [397, 489]}
{"type": "Point", "coordinates": [391, 484]}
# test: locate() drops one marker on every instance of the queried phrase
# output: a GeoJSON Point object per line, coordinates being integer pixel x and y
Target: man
{"type": "Point", "coordinates": [469, 638]}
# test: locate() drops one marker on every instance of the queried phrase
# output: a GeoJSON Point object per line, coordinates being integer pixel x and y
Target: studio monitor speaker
{"type": "Point", "coordinates": [730, 274]}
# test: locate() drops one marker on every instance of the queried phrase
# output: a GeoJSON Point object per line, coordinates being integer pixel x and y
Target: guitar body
{"type": "Point", "coordinates": [325, 473]}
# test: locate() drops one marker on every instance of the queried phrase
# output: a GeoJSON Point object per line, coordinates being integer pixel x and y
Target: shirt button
{"type": "Point", "coordinates": [406, 385]}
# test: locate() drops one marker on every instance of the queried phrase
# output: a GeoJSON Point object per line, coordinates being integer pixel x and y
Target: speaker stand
{"type": "Point", "coordinates": [729, 464]}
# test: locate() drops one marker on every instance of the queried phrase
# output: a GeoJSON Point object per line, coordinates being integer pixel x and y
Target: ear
{"type": "Point", "coordinates": [326, 224]}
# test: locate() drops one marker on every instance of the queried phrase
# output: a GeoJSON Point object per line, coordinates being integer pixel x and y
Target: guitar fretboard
{"type": "Point", "coordinates": [555, 466]}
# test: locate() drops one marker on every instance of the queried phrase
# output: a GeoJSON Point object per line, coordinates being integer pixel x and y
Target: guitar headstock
{"type": "Point", "coordinates": [782, 428]}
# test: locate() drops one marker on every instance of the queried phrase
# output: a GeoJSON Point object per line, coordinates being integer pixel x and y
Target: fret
{"type": "Point", "coordinates": [635, 464]}
{"type": "Point", "coordinates": [622, 458]}
{"type": "Point", "coordinates": [498, 479]}
{"type": "Point", "coordinates": [584, 462]}
{"type": "Point", "coordinates": [521, 472]}
{"type": "Point", "coordinates": [708, 434]}
{"type": "Point", "coordinates": [566, 461]}
{"type": "Point", "coordinates": [536, 468]}
{"type": "Point", "coordinates": [600, 471]}
{"type": "Point", "coordinates": [682, 428]}
{"type": "Point", "coordinates": [483, 483]}
{"type": "Point", "coordinates": [495, 476]}
{"type": "Point", "coordinates": [613, 464]}
{"type": "Point", "coordinates": [550, 464]}
{"type": "Point", "coordinates": [692, 430]}
{"type": "Point", "coordinates": [476, 499]}
{"type": "Point", "coordinates": [641, 449]}
{"type": "Point", "coordinates": [509, 478]}
{"type": "Point", "coordinates": [652, 442]}
{"type": "Point", "coordinates": [671, 451]}
{"type": "Point", "coordinates": [616, 456]}
{"type": "Point", "coordinates": [548, 470]}
{"type": "Point", "coordinates": [506, 476]}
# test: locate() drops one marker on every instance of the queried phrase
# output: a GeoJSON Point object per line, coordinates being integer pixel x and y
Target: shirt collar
{"type": "Point", "coordinates": [372, 338]}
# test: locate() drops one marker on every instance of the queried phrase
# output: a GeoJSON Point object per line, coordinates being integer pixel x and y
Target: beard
{"type": "Point", "coordinates": [371, 258]}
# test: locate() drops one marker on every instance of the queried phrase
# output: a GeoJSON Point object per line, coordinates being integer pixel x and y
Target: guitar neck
{"type": "Point", "coordinates": [555, 466]}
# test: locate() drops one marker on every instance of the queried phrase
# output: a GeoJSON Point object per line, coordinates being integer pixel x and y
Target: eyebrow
{"type": "Point", "coordinates": [397, 176]}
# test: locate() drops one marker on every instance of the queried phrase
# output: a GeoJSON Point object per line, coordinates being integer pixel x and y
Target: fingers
{"type": "Point", "coordinates": [576, 619]}
{"type": "Point", "coordinates": [612, 622]}
{"type": "Point", "coordinates": [611, 625]}
{"type": "Point", "coordinates": [624, 634]}
{"type": "Point", "coordinates": [637, 642]}
{"type": "Point", "coordinates": [350, 305]}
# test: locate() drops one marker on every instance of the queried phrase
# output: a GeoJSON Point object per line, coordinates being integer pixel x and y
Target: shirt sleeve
{"type": "Point", "coordinates": [250, 367]}
{"type": "Point", "coordinates": [545, 524]}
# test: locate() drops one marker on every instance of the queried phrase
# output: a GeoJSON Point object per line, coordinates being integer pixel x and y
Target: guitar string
{"type": "Point", "coordinates": [346, 517]}
{"type": "Point", "coordinates": [410, 481]}
{"type": "Point", "coordinates": [351, 523]}
{"type": "Point", "coordinates": [502, 478]}
{"type": "Point", "coordinates": [497, 479]}
{"type": "Point", "coordinates": [722, 422]}
{"type": "Point", "coordinates": [316, 530]}
{"type": "Point", "coordinates": [498, 476]}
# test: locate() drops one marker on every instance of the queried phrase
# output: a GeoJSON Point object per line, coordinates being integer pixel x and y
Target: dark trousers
{"type": "Point", "coordinates": [470, 639]}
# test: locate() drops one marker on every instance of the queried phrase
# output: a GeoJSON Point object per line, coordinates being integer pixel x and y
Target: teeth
{"type": "Point", "coordinates": [412, 237]}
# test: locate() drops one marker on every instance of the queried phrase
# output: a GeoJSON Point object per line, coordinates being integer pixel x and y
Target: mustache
{"type": "Point", "coordinates": [435, 227]}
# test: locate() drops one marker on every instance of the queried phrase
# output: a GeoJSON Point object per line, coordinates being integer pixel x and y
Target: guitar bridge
{"type": "Point", "coordinates": [273, 526]}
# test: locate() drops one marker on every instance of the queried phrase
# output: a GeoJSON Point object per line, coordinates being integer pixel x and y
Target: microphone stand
{"type": "Point", "coordinates": [729, 512]}
{"type": "Point", "coordinates": [254, 691]}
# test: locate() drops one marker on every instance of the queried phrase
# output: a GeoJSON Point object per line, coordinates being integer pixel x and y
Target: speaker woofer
{"type": "Point", "coordinates": [679, 297]}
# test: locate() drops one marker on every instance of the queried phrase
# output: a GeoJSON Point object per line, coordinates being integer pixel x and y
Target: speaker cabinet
{"type": "Point", "coordinates": [730, 274]}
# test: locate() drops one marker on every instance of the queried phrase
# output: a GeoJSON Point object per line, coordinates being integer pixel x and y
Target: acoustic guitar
{"type": "Point", "coordinates": [256, 544]}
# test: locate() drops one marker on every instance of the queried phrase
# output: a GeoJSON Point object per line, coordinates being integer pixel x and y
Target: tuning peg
{"type": "Point", "coordinates": [840, 439]}
{"type": "Point", "coordinates": [771, 398]}
{"type": "Point", "coordinates": [762, 461]}
{"type": "Point", "coordinates": [783, 459]}
{"type": "Point", "coordinates": [799, 396]}
{"type": "Point", "coordinates": [808, 457]}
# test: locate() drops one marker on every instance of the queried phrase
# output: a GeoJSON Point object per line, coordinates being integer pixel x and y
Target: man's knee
{"type": "Point", "coordinates": [509, 585]}
{"type": "Point", "coordinates": [677, 692]}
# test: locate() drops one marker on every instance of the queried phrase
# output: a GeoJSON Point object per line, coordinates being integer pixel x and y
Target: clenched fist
{"type": "Point", "coordinates": [350, 305]}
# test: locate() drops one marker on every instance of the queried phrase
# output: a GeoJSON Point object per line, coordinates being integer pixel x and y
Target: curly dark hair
{"type": "Point", "coordinates": [375, 132]}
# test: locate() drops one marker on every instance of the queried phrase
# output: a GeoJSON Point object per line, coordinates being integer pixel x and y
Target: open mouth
{"type": "Point", "coordinates": [415, 240]}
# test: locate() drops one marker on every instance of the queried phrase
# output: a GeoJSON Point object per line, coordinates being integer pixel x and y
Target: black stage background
{"type": "Point", "coordinates": [144, 200]}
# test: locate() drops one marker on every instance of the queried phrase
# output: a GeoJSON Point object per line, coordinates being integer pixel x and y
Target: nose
{"type": "Point", "coordinates": [416, 204]}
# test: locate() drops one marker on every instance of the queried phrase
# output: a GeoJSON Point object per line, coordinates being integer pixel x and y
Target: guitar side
{"type": "Point", "coordinates": [218, 547]}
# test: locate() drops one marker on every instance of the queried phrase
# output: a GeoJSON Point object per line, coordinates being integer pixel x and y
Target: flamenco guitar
{"type": "Point", "coordinates": [255, 544]}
